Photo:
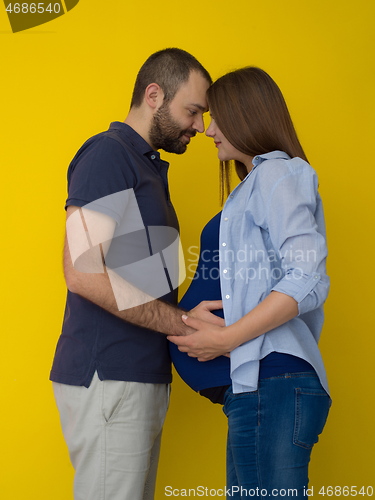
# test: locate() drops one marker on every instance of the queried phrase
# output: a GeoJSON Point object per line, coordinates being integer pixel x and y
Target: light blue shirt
{"type": "Point", "coordinates": [272, 237]}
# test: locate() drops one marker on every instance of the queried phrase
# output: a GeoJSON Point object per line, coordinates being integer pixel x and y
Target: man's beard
{"type": "Point", "coordinates": [165, 132]}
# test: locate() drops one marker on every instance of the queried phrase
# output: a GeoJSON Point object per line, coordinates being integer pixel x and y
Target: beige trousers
{"type": "Point", "coordinates": [113, 432]}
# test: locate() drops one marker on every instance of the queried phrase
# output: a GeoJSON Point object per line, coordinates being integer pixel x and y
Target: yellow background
{"type": "Point", "coordinates": [67, 80]}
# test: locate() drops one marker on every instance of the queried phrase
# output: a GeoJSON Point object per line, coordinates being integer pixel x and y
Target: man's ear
{"type": "Point", "coordinates": [154, 96]}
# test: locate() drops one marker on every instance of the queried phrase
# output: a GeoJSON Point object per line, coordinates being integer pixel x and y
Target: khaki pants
{"type": "Point", "coordinates": [113, 431]}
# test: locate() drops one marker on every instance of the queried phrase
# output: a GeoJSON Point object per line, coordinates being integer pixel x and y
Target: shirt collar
{"type": "Point", "coordinates": [129, 134]}
{"type": "Point", "coordinates": [274, 155]}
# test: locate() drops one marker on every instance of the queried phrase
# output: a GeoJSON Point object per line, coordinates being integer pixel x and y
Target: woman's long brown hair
{"type": "Point", "coordinates": [250, 110]}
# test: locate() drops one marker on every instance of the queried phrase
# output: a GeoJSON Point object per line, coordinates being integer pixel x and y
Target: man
{"type": "Point", "coordinates": [112, 369]}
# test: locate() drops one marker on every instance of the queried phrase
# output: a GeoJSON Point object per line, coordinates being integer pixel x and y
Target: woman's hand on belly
{"type": "Point", "coordinates": [203, 311]}
{"type": "Point", "coordinates": [208, 342]}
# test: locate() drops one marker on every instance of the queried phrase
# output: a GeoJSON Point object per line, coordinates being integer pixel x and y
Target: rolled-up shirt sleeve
{"type": "Point", "coordinates": [296, 228]}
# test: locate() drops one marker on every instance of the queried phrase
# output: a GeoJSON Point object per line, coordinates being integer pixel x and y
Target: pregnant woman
{"type": "Point", "coordinates": [273, 283]}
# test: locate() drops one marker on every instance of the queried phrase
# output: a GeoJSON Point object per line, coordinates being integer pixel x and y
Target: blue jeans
{"type": "Point", "coordinates": [271, 432]}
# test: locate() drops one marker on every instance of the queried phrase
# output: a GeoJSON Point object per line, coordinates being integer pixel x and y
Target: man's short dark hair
{"type": "Point", "coordinates": [169, 68]}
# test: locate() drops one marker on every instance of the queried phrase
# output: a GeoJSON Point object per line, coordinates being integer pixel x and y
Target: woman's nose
{"type": "Point", "coordinates": [210, 131]}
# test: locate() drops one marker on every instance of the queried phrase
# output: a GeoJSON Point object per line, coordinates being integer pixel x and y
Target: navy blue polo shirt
{"type": "Point", "coordinates": [93, 339]}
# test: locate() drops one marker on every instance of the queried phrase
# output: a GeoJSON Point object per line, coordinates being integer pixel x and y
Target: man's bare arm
{"type": "Point", "coordinates": [97, 287]}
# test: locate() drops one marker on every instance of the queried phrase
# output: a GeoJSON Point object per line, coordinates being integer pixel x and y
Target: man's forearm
{"type": "Point", "coordinates": [129, 303]}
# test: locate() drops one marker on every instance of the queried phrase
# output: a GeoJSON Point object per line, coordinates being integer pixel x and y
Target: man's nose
{"type": "Point", "coordinates": [199, 124]}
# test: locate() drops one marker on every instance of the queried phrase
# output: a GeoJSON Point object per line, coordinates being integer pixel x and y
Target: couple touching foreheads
{"type": "Point", "coordinates": [256, 352]}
